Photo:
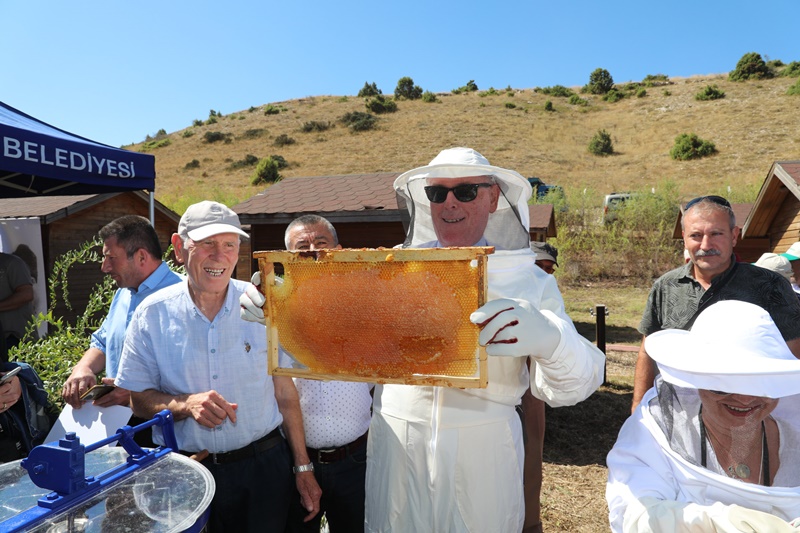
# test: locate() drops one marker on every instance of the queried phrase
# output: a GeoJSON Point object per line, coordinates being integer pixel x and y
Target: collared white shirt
{"type": "Point", "coordinates": [173, 348]}
{"type": "Point", "coordinates": [335, 413]}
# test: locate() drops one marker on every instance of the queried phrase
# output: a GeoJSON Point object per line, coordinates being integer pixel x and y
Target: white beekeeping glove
{"type": "Point", "coordinates": [252, 300]}
{"type": "Point", "coordinates": [514, 328]}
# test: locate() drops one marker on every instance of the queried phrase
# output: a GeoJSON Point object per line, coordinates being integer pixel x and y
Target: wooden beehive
{"type": "Point", "coordinates": [380, 315]}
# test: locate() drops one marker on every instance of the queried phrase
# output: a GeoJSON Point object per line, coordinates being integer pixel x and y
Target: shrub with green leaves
{"type": "Point", "coordinates": [270, 109]}
{"type": "Point", "coordinates": [380, 104]}
{"type": "Point", "coordinates": [369, 90]}
{"type": "Point", "coordinates": [471, 86]}
{"type": "Point", "coordinates": [491, 91]}
{"type": "Point", "coordinates": [613, 96]}
{"type": "Point", "coordinates": [577, 100]}
{"type": "Point", "coordinates": [429, 97]}
{"type": "Point", "coordinates": [510, 105]}
{"type": "Point", "coordinates": [792, 70]}
{"type": "Point", "coordinates": [194, 163]}
{"type": "Point", "coordinates": [794, 89]}
{"type": "Point", "coordinates": [690, 146]}
{"type": "Point", "coordinates": [555, 90]}
{"type": "Point", "coordinates": [406, 89]}
{"type": "Point", "coordinates": [315, 125]}
{"type": "Point", "coordinates": [216, 136]}
{"type": "Point", "coordinates": [359, 121]}
{"type": "Point", "coordinates": [197, 122]}
{"type": "Point", "coordinates": [187, 133]}
{"type": "Point", "coordinates": [652, 80]}
{"type": "Point", "coordinates": [154, 144]}
{"type": "Point", "coordinates": [600, 81]}
{"type": "Point", "coordinates": [601, 143]}
{"type": "Point", "coordinates": [641, 92]}
{"type": "Point", "coordinates": [710, 92]}
{"type": "Point", "coordinates": [750, 67]}
{"type": "Point", "coordinates": [283, 140]}
{"type": "Point", "coordinates": [254, 133]}
{"type": "Point", "coordinates": [267, 171]}
{"type": "Point", "coordinates": [248, 161]}
{"type": "Point", "coordinates": [548, 106]}
{"type": "Point", "coordinates": [211, 120]}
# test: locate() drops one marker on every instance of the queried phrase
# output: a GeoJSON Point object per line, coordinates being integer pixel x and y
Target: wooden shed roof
{"type": "Point", "coordinates": [782, 180]}
{"type": "Point", "coordinates": [345, 198]}
{"type": "Point", "coordinates": [52, 208]}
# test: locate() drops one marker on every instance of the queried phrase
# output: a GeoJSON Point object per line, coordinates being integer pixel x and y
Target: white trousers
{"type": "Point", "coordinates": [470, 481]}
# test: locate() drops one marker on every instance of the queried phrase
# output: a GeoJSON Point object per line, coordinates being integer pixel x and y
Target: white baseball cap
{"type": "Point", "coordinates": [776, 263]}
{"type": "Point", "coordinates": [793, 253]}
{"type": "Point", "coordinates": [204, 219]}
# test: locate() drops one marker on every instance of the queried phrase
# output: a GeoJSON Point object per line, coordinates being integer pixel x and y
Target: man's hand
{"type": "Point", "coordinates": [210, 409]}
{"type": "Point", "coordinates": [513, 327]}
{"type": "Point", "coordinates": [9, 394]}
{"type": "Point", "coordinates": [118, 396]}
{"type": "Point", "coordinates": [252, 301]}
{"type": "Point", "coordinates": [310, 493]}
{"type": "Point", "coordinates": [80, 380]}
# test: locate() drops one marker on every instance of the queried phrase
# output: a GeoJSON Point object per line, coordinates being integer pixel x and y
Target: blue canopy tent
{"type": "Point", "coordinates": [37, 159]}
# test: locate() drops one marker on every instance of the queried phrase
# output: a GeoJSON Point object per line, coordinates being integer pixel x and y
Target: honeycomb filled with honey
{"type": "Point", "coordinates": [389, 316]}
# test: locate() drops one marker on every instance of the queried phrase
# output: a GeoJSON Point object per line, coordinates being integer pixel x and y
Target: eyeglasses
{"type": "Point", "coordinates": [719, 200]}
{"type": "Point", "coordinates": [463, 193]}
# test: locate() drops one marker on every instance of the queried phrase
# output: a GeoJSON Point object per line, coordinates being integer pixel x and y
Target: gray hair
{"type": "Point", "coordinates": [310, 221]}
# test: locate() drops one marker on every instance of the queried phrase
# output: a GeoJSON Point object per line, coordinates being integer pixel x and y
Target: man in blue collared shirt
{"type": "Point", "coordinates": [132, 257]}
{"type": "Point", "coordinates": [187, 351]}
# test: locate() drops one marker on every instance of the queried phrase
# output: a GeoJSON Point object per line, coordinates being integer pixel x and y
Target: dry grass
{"type": "Point", "coordinates": [754, 125]}
{"type": "Point", "coordinates": [578, 438]}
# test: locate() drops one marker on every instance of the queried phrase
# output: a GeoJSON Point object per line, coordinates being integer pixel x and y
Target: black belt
{"type": "Point", "coordinates": [261, 445]}
{"type": "Point", "coordinates": [331, 455]}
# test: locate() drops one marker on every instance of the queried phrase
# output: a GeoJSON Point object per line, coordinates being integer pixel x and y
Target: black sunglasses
{"type": "Point", "coordinates": [463, 193]}
{"type": "Point", "coordinates": [719, 200]}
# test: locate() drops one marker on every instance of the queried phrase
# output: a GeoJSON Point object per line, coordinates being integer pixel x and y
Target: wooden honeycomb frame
{"type": "Point", "coordinates": [468, 287]}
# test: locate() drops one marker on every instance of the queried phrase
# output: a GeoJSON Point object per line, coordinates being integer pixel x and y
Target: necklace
{"type": "Point", "coordinates": [740, 470]}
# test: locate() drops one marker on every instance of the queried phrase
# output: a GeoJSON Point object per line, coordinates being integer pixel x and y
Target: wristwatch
{"type": "Point", "coordinates": [303, 468]}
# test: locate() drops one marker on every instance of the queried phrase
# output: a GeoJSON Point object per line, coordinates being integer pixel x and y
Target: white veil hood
{"type": "Point", "coordinates": [508, 227]}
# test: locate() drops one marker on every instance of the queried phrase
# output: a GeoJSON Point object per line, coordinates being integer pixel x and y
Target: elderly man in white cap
{"type": "Point", "coordinates": [186, 350]}
{"type": "Point", "coordinates": [793, 255]}
{"type": "Point", "coordinates": [715, 444]}
{"type": "Point", "coordinates": [442, 459]}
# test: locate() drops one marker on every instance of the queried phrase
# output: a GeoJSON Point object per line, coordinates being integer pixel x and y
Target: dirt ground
{"type": "Point", "coordinates": [577, 440]}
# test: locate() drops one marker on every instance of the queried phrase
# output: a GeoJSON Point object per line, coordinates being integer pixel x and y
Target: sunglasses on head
{"type": "Point", "coordinates": [719, 200]}
{"type": "Point", "coordinates": [463, 193]}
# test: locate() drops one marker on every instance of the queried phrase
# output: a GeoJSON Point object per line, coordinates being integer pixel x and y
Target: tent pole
{"type": "Point", "coordinates": [152, 209]}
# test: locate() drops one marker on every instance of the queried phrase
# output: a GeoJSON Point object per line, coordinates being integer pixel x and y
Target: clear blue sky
{"type": "Point", "coordinates": [116, 70]}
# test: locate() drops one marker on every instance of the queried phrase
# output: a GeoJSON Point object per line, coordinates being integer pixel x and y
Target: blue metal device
{"type": "Point", "coordinates": [60, 466]}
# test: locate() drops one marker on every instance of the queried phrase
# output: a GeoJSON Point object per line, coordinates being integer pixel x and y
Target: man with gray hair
{"type": "Point", "coordinates": [186, 350]}
{"type": "Point", "coordinates": [712, 275]}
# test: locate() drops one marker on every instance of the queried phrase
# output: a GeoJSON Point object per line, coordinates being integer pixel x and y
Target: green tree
{"type": "Point", "coordinates": [266, 172]}
{"type": "Point", "coordinates": [601, 143]}
{"type": "Point", "coordinates": [406, 89]}
{"type": "Point", "coordinates": [369, 90]}
{"type": "Point", "coordinates": [600, 81]}
{"type": "Point", "coordinates": [750, 67]}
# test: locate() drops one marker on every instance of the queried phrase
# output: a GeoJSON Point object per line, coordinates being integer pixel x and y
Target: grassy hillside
{"type": "Point", "coordinates": [754, 125]}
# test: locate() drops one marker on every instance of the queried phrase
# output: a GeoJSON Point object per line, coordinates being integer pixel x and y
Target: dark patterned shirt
{"type": "Point", "coordinates": [677, 298]}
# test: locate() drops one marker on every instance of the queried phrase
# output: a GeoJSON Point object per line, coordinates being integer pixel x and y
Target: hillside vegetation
{"type": "Point", "coordinates": [752, 126]}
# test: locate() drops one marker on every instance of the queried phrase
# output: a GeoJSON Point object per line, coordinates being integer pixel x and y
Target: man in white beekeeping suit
{"type": "Point", "coordinates": [441, 459]}
{"type": "Point", "coordinates": [446, 459]}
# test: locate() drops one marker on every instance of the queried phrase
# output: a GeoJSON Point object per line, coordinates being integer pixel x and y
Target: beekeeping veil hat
{"type": "Point", "coordinates": [734, 348]}
{"type": "Point", "coordinates": [508, 227]}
